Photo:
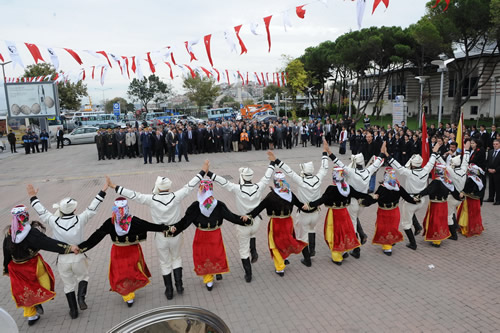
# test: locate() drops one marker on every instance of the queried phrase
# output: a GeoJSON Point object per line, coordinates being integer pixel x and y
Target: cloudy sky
{"type": "Point", "coordinates": [132, 28]}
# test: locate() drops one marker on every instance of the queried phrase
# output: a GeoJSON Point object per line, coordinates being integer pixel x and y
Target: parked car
{"type": "Point", "coordinates": [79, 135]}
{"type": "Point", "coordinates": [109, 125]}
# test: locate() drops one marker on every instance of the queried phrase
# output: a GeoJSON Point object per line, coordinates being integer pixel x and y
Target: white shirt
{"type": "Point", "coordinates": [413, 180]}
{"type": "Point", "coordinates": [458, 175]}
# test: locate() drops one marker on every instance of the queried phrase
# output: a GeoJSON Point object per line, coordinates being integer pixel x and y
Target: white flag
{"type": "Point", "coordinates": [140, 75]}
{"type": "Point", "coordinates": [361, 12]}
{"type": "Point", "coordinates": [230, 41]}
{"type": "Point", "coordinates": [286, 19]}
{"type": "Point", "coordinates": [253, 28]}
{"type": "Point", "coordinates": [104, 70]}
{"type": "Point", "coordinates": [53, 58]}
{"type": "Point", "coordinates": [14, 54]}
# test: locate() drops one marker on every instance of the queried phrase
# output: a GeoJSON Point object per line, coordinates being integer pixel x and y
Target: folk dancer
{"type": "Point", "coordinates": [469, 211]}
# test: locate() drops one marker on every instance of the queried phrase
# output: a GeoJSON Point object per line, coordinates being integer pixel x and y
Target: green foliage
{"type": "Point", "coordinates": [149, 89]}
{"type": "Point", "coordinates": [271, 90]}
{"type": "Point", "coordinates": [201, 91]}
{"type": "Point", "coordinates": [297, 79]}
{"type": "Point", "coordinates": [70, 94]}
{"type": "Point", "coordinates": [124, 105]}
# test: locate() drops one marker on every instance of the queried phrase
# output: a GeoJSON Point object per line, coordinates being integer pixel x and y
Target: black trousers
{"type": "Point", "coordinates": [13, 148]}
{"type": "Point", "coordinates": [148, 154]}
{"type": "Point", "coordinates": [27, 147]}
{"type": "Point", "coordinates": [494, 186]}
{"type": "Point", "coordinates": [60, 142]}
{"type": "Point", "coordinates": [45, 145]}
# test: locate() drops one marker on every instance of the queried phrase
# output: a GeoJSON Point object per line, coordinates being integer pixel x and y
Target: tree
{"type": "Point", "coordinates": [271, 90]}
{"type": "Point", "coordinates": [297, 79]}
{"type": "Point", "coordinates": [149, 89]}
{"type": "Point", "coordinates": [124, 105]}
{"type": "Point", "coordinates": [201, 91]}
{"type": "Point", "coordinates": [70, 94]}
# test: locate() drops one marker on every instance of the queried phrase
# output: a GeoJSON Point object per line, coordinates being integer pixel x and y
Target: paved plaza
{"type": "Point", "coordinates": [373, 294]}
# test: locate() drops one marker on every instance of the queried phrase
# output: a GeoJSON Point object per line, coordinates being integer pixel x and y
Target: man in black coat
{"type": "Point", "coordinates": [60, 137]}
{"type": "Point", "coordinates": [147, 144]}
{"type": "Point", "coordinates": [158, 145]}
{"type": "Point", "coordinates": [182, 145]}
{"type": "Point", "coordinates": [11, 137]}
{"type": "Point", "coordinates": [484, 136]}
{"type": "Point", "coordinates": [201, 137]}
{"type": "Point", "coordinates": [493, 171]}
{"type": "Point", "coordinates": [492, 136]}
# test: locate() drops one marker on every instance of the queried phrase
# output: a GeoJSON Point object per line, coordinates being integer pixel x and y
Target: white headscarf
{"type": "Point", "coordinates": [246, 174]}
{"type": "Point", "coordinates": [65, 207]}
{"type": "Point", "coordinates": [206, 200]}
{"type": "Point", "coordinates": [162, 184]}
{"type": "Point", "coordinates": [339, 181]}
{"type": "Point", "coordinates": [306, 169]}
{"type": "Point", "coordinates": [20, 226]}
{"type": "Point", "coordinates": [357, 159]}
{"type": "Point", "coordinates": [281, 187]}
{"type": "Point", "coordinates": [415, 161]}
{"type": "Point", "coordinates": [474, 172]}
{"type": "Point", "coordinates": [456, 161]}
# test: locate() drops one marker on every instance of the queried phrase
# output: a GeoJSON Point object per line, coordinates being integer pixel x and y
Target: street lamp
{"type": "Point", "coordinates": [422, 80]}
{"type": "Point", "coordinates": [442, 69]}
{"type": "Point", "coordinates": [103, 90]}
{"type": "Point", "coordinates": [350, 83]}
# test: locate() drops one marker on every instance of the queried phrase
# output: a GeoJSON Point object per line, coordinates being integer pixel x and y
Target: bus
{"type": "Point", "coordinates": [220, 114]}
{"type": "Point", "coordinates": [91, 119]}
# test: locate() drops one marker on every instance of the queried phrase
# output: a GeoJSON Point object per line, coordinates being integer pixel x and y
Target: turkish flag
{"type": "Point", "coordinates": [207, 39]}
{"type": "Point", "coordinates": [106, 56]}
{"type": "Point", "coordinates": [35, 52]}
{"type": "Point", "coordinates": [386, 3]}
{"type": "Point", "coordinates": [242, 45]}
{"type": "Point", "coordinates": [425, 145]}
{"type": "Point", "coordinates": [267, 22]}
{"type": "Point", "coordinates": [301, 12]}
{"type": "Point", "coordinates": [75, 56]}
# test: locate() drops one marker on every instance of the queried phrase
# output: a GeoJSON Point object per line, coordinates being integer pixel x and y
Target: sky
{"type": "Point", "coordinates": [133, 28]}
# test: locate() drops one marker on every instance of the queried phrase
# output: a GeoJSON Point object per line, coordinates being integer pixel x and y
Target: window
{"type": "Point", "coordinates": [470, 86]}
{"type": "Point", "coordinates": [90, 130]}
{"type": "Point", "coordinates": [397, 87]}
{"type": "Point", "coordinates": [365, 94]}
{"type": "Point", "coordinates": [474, 109]}
{"type": "Point", "coordinates": [78, 131]}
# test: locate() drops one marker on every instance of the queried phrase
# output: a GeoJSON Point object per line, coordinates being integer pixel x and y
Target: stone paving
{"type": "Point", "coordinates": [373, 294]}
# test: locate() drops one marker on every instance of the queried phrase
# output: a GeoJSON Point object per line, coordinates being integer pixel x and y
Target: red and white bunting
{"type": "Point", "coordinates": [35, 52]}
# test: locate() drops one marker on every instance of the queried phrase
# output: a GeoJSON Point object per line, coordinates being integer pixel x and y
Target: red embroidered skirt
{"type": "Point", "coordinates": [127, 269]}
{"type": "Point", "coordinates": [25, 285]}
{"type": "Point", "coordinates": [436, 222]}
{"type": "Point", "coordinates": [209, 254]}
{"type": "Point", "coordinates": [469, 217]}
{"type": "Point", "coordinates": [282, 232]}
{"type": "Point", "coordinates": [387, 227]}
{"type": "Point", "coordinates": [339, 231]}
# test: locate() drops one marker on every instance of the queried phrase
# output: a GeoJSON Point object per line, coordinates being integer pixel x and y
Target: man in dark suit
{"type": "Point", "coordinates": [493, 169]}
{"type": "Point", "coordinates": [484, 136]}
{"type": "Point", "coordinates": [158, 145]}
{"type": "Point", "coordinates": [60, 137]}
{"type": "Point", "coordinates": [201, 139]}
{"type": "Point", "coordinates": [190, 139]}
{"type": "Point", "coordinates": [147, 145]}
{"type": "Point", "coordinates": [182, 145]}
{"type": "Point", "coordinates": [218, 138]}
{"type": "Point", "coordinates": [492, 136]}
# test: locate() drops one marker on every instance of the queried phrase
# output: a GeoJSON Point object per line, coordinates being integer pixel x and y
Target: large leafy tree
{"type": "Point", "coordinates": [70, 94]}
{"type": "Point", "coordinates": [297, 79]}
{"type": "Point", "coordinates": [149, 89]}
{"type": "Point", "coordinates": [201, 91]}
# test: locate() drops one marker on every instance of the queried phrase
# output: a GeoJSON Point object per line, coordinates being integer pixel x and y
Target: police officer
{"type": "Point", "coordinates": [44, 138]}
{"type": "Point", "coordinates": [27, 142]}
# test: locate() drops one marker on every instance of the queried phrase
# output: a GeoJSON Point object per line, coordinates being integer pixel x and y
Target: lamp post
{"type": "Point", "coordinates": [422, 80]}
{"type": "Point", "coordinates": [495, 100]}
{"type": "Point", "coordinates": [103, 98]}
{"type": "Point", "coordinates": [442, 69]}
{"type": "Point", "coordinates": [350, 83]}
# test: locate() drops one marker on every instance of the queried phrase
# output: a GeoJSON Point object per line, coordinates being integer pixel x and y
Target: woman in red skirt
{"type": "Point", "coordinates": [281, 235]}
{"type": "Point", "coordinates": [31, 278]}
{"type": "Point", "coordinates": [388, 195]}
{"type": "Point", "coordinates": [207, 214]}
{"type": "Point", "coordinates": [436, 219]}
{"type": "Point", "coordinates": [340, 235]}
{"type": "Point", "coordinates": [127, 268]}
{"type": "Point", "coordinates": [469, 211]}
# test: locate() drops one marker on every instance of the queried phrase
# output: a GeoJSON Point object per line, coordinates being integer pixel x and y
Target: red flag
{"type": "Point", "coordinates": [263, 80]}
{"type": "Point", "coordinates": [126, 64]}
{"type": "Point", "coordinates": [193, 57]}
{"type": "Point", "coordinates": [242, 45]}
{"type": "Point", "coordinates": [425, 145]}
{"type": "Point", "coordinates": [207, 72]}
{"type": "Point", "coordinates": [247, 78]}
{"type": "Point", "coordinates": [257, 77]}
{"type": "Point", "coordinates": [75, 56]}
{"type": "Point", "coordinates": [1, 58]}
{"type": "Point", "coordinates": [242, 79]}
{"type": "Point", "coordinates": [267, 76]}
{"type": "Point", "coordinates": [227, 75]}
{"type": "Point", "coordinates": [447, 4]}
{"type": "Point", "coordinates": [283, 78]}
{"type": "Point", "coordinates": [93, 69]}
{"type": "Point", "coordinates": [83, 78]}
{"type": "Point", "coordinates": [35, 52]}
{"type": "Point", "coordinates": [171, 73]}
{"type": "Point", "coordinates": [172, 57]}
{"type": "Point", "coordinates": [386, 3]}
{"type": "Point", "coordinates": [151, 65]}
{"type": "Point", "coordinates": [278, 79]}
{"type": "Point", "coordinates": [218, 74]}
{"type": "Point", "coordinates": [133, 64]}
{"type": "Point", "coordinates": [106, 56]}
{"type": "Point", "coordinates": [193, 74]}
{"type": "Point", "coordinates": [267, 21]}
{"type": "Point", "coordinates": [301, 12]}
{"type": "Point", "coordinates": [206, 39]}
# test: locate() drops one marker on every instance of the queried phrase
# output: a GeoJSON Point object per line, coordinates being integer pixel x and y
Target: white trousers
{"type": "Point", "coordinates": [169, 252]}
{"type": "Point", "coordinates": [354, 210]}
{"type": "Point", "coordinates": [244, 235]}
{"type": "Point", "coordinates": [408, 209]}
{"type": "Point", "coordinates": [452, 208]}
{"type": "Point", "coordinates": [305, 223]}
{"type": "Point", "coordinates": [72, 270]}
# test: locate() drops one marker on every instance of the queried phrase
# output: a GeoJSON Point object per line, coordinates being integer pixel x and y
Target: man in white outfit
{"type": "Point", "coordinates": [248, 196]}
{"type": "Point", "coordinates": [69, 228]}
{"type": "Point", "coordinates": [309, 189]}
{"type": "Point", "coordinates": [166, 209]}
{"type": "Point", "coordinates": [457, 169]}
{"type": "Point", "coordinates": [413, 178]}
{"type": "Point", "coordinates": [358, 176]}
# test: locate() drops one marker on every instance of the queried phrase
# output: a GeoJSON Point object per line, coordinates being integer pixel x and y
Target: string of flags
{"type": "Point", "coordinates": [105, 60]}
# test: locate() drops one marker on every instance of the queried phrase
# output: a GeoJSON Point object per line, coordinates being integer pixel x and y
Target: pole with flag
{"type": "Point", "coordinates": [460, 134]}
{"type": "Point", "coordinates": [425, 144]}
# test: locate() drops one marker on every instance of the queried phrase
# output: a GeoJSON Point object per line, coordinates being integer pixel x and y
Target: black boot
{"type": "Point", "coordinates": [453, 232]}
{"type": "Point", "coordinates": [178, 280]}
{"type": "Point", "coordinates": [253, 250]}
{"type": "Point", "coordinates": [307, 257]}
{"type": "Point", "coordinates": [455, 223]}
{"type": "Point", "coordinates": [82, 292]}
{"type": "Point", "coordinates": [356, 253]}
{"type": "Point", "coordinates": [247, 266]}
{"type": "Point", "coordinates": [413, 244]}
{"type": "Point", "coordinates": [359, 229]}
{"type": "Point", "coordinates": [169, 289]}
{"type": "Point", "coordinates": [218, 277]}
{"type": "Point", "coordinates": [73, 310]}
{"type": "Point", "coordinates": [416, 225]}
{"type": "Point", "coordinates": [312, 244]}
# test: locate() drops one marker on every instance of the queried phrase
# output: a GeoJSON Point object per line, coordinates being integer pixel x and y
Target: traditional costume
{"type": "Point", "coordinates": [128, 271]}
{"type": "Point", "coordinates": [166, 209]}
{"type": "Point", "coordinates": [248, 196]}
{"type": "Point", "coordinates": [457, 170]}
{"type": "Point", "coordinates": [436, 219]}
{"type": "Point", "coordinates": [281, 235]}
{"type": "Point", "coordinates": [469, 211]}
{"type": "Point", "coordinates": [388, 217]}
{"type": "Point", "coordinates": [414, 179]}
{"type": "Point", "coordinates": [207, 214]}
{"type": "Point", "coordinates": [31, 278]}
{"type": "Point", "coordinates": [358, 176]}
{"type": "Point", "coordinates": [339, 232]}
{"type": "Point", "coordinates": [68, 227]}
{"type": "Point", "coordinates": [309, 189]}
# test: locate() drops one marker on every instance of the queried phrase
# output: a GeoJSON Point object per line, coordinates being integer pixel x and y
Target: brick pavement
{"type": "Point", "coordinates": [372, 294]}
